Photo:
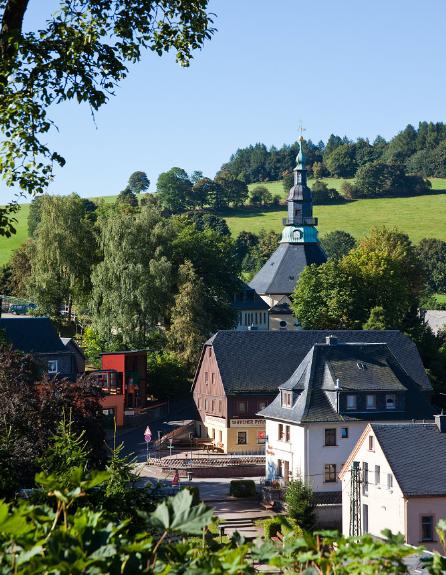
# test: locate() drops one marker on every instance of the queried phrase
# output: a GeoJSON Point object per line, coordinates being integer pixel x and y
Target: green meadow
{"type": "Point", "coordinates": [419, 217]}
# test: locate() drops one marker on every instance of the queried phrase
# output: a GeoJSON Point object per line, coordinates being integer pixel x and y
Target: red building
{"type": "Point", "coordinates": [123, 378]}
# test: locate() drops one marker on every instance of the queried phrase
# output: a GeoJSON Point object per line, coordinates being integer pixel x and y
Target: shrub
{"type": "Point", "coordinates": [282, 524]}
{"type": "Point", "coordinates": [242, 488]}
{"type": "Point", "coordinates": [322, 194]}
{"type": "Point", "coordinates": [300, 504]}
{"type": "Point", "coordinates": [349, 191]}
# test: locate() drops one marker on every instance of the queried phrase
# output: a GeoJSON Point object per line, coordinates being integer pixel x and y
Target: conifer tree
{"type": "Point", "coordinates": [190, 321]}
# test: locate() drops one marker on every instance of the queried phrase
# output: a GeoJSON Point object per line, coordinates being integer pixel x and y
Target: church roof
{"type": "Point", "coordinates": [280, 273]}
{"type": "Point", "coordinates": [248, 299]}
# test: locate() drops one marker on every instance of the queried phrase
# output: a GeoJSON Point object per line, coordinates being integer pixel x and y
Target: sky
{"type": "Point", "coordinates": [349, 67]}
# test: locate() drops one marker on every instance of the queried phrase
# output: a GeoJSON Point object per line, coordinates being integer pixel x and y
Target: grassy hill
{"type": "Point", "coordinates": [419, 217]}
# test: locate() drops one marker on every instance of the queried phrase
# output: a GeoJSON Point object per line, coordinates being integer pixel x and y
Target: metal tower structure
{"type": "Point", "coordinates": [355, 500]}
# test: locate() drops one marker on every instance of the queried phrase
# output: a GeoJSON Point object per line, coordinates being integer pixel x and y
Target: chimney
{"type": "Point", "coordinates": [331, 340]}
{"type": "Point", "coordinates": [440, 421]}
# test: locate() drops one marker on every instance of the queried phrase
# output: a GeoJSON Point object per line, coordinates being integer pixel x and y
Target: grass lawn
{"type": "Point", "coordinates": [419, 217]}
{"type": "Point", "coordinates": [440, 297]}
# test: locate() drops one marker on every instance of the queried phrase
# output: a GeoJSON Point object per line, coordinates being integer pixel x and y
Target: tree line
{"type": "Point", "coordinates": [415, 151]}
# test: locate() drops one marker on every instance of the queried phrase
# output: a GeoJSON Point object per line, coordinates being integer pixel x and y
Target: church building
{"type": "Point", "coordinates": [299, 247]}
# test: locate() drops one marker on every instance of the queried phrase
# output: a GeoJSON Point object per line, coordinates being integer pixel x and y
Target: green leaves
{"type": "Point", "coordinates": [177, 514]}
{"type": "Point", "coordinates": [81, 54]}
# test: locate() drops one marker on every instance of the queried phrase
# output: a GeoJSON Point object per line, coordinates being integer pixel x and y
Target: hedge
{"type": "Point", "coordinates": [242, 488]}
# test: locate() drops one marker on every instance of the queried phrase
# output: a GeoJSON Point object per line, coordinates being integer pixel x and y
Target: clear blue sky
{"type": "Point", "coordinates": [344, 66]}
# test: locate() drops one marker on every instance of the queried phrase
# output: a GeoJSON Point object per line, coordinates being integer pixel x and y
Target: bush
{"type": "Point", "coordinates": [322, 194]}
{"type": "Point", "coordinates": [282, 524]}
{"type": "Point", "coordinates": [300, 504]}
{"type": "Point", "coordinates": [242, 488]}
{"type": "Point", "coordinates": [261, 196]}
{"type": "Point", "coordinates": [349, 191]}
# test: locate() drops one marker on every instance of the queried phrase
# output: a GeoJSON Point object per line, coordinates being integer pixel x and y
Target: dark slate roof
{"type": "Point", "coordinates": [32, 334]}
{"type": "Point", "coordinates": [261, 361]}
{"type": "Point", "coordinates": [281, 309]}
{"type": "Point", "coordinates": [280, 273]}
{"type": "Point", "coordinates": [324, 364]}
{"type": "Point", "coordinates": [416, 452]}
{"type": "Point", "coordinates": [71, 345]}
{"type": "Point", "coordinates": [248, 299]}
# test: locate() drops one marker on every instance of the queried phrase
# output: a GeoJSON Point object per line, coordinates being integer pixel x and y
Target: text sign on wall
{"type": "Point", "coordinates": [247, 422]}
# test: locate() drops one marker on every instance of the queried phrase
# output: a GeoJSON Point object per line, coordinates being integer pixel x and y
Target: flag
{"type": "Point", "coordinates": [147, 435]}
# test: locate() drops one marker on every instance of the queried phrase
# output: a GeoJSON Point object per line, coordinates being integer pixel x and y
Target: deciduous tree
{"type": "Point", "coordinates": [337, 244]}
{"type": "Point", "coordinates": [63, 255]}
{"type": "Point", "coordinates": [132, 284]}
{"type": "Point", "coordinates": [80, 53]}
{"type": "Point", "coordinates": [174, 190]}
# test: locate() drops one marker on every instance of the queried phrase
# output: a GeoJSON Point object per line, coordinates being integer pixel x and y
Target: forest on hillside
{"type": "Point", "coordinates": [420, 151]}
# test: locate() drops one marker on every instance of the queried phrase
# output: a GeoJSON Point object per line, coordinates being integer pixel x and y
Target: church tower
{"type": "Point", "coordinates": [299, 247]}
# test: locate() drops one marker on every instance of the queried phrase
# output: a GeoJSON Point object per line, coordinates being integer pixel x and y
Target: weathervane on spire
{"type": "Point", "coordinates": [301, 130]}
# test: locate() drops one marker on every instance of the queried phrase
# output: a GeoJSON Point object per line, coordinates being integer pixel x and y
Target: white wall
{"type": "Point", "coordinates": [293, 452]}
{"type": "Point", "coordinates": [306, 452]}
{"type": "Point", "coordinates": [319, 454]}
{"type": "Point", "coordinates": [386, 507]}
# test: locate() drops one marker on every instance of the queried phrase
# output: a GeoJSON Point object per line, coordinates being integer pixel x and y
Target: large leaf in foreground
{"type": "Point", "coordinates": [178, 514]}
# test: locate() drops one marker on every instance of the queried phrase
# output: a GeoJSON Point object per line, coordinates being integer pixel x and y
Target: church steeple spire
{"type": "Point", "coordinates": [300, 224]}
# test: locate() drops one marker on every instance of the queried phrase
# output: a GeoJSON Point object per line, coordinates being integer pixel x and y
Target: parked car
{"type": "Point", "coordinates": [21, 309]}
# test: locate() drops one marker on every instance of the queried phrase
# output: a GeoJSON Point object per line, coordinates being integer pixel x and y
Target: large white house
{"type": "Point", "coordinates": [400, 484]}
{"type": "Point", "coordinates": [321, 411]}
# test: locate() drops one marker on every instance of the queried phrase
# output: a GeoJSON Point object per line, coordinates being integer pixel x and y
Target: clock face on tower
{"type": "Point", "coordinates": [298, 234]}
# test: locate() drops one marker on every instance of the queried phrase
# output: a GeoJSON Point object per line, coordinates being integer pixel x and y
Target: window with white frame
{"type": "Point", "coordinates": [351, 401]}
{"type": "Point", "coordinates": [344, 432]}
{"type": "Point", "coordinates": [377, 475]}
{"type": "Point", "coordinates": [53, 366]}
{"type": "Point", "coordinates": [287, 398]}
{"type": "Point", "coordinates": [389, 481]}
{"type": "Point", "coordinates": [365, 478]}
{"type": "Point", "coordinates": [390, 401]}
{"type": "Point", "coordinates": [371, 401]}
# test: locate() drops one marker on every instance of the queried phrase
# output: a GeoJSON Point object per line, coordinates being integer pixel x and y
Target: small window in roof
{"type": "Point", "coordinates": [361, 365]}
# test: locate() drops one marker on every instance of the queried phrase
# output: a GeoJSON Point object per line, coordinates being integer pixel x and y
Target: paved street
{"type": "Point", "coordinates": [133, 438]}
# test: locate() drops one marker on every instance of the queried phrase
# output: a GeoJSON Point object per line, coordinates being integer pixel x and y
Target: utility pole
{"type": "Point", "coordinates": [355, 500]}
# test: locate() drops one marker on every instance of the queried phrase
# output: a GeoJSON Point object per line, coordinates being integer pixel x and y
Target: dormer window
{"type": "Point", "coordinates": [390, 401]}
{"type": "Point", "coordinates": [287, 399]}
{"type": "Point", "coordinates": [351, 402]}
{"type": "Point", "coordinates": [371, 401]}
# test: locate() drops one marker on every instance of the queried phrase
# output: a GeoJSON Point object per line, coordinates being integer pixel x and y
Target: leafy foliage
{"type": "Point", "coordinates": [168, 375]}
{"type": "Point", "coordinates": [80, 54]}
{"type": "Point", "coordinates": [432, 255]}
{"type": "Point", "coordinates": [382, 270]}
{"type": "Point", "coordinates": [337, 244]}
{"type": "Point", "coordinates": [31, 411]}
{"type": "Point", "coordinates": [300, 504]}
{"type": "Point", "coordinates": [66, 450]}
{"type": "Point", "coordinates": [242, 488]}
{"type": "Point", "coordinates": [63, 255]}
{"type": "Point", "coordinates": [138, 182]}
